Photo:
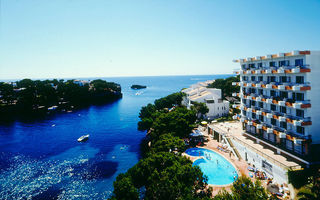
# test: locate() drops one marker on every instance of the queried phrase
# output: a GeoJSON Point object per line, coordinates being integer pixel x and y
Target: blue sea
{"type": "Point", "coordinates": [41, 159]}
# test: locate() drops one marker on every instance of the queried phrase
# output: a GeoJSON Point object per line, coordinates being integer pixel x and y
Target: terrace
{"type": "Point", "coordinates": [274, 154]}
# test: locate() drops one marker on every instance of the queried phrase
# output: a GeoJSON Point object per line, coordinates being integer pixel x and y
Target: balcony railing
{"type": "Point", "coordinates": [285, 67]}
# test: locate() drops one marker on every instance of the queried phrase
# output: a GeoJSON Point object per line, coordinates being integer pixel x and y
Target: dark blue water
{"type": "Point", "coordinates": [42, 159]}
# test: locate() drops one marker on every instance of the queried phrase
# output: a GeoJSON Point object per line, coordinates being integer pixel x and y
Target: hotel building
{"type": "Point", "coordinates": [210, 96]}
{"type": "Point", "coordinates": [280, 99]}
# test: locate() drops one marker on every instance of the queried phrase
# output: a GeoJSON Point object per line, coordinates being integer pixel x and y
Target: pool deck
{"type": "Point", "coordinates": [240, 165]}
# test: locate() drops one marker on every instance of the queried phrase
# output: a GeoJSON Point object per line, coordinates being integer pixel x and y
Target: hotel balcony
{"type": "Point", "coordinates": [269, 130]}
{"type": "Point", "coordinates": [282, 135]}
{"type": "Point", "coordinates": [300, 105]}
{"type": "Point", "coordinates": [281, 103]}
{"type": "Point", "coordinates": [269, 101]}
{"type": "Point", "coordinates": [281, 117]}
{"type": "Point", "coordinates": [276, 70]}
{"type": "Point", "coordinates": [258, 85]}
{"type": "Point", "coordinates": [280, 70]}
{"type": "Point", "coordinates": [277, 100]}
{"type": "Point", "coordinates": [297, 122]}
{"type": "Point", "coordinates": [281, 87]}
{"type": "Point", "coordinates": [275, 85]}
{"type": "Point", "coordinates": [269, 86]}
{"type": "Point", "coordinates": [258, 98]}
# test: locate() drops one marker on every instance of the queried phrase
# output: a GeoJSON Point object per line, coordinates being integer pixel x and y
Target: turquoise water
{"type": "Point", "coordinates": [41, 159]}
{"type": "Point", "coordinates": [218, 170]}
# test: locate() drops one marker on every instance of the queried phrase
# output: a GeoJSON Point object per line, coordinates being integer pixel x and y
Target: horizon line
{"type": "Point", "coordinates": [100, 77]}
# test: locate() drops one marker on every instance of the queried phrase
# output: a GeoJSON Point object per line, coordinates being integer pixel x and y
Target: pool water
{"type": "Point", "coordinates": [218, 170]}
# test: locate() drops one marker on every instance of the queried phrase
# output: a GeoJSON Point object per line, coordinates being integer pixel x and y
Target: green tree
{"type": "Point", "coordinates": [226, 85]}
{"type": "Point", "coordinates": [167, 176]}
{"type": "Point", "coordinates": [169, 101]}
{"type": "Point", "coordinates": [168, 143]}
{"type": "Point", "coordinates": [124, 188]}
{"type": "Point", "coordinates": [243, 189]}
{"type": "Point", "coordinates": [200, 108]}
{"type": "Point", "coordinates": [179, 122]}
{"type": "Point", "coordinates": [310, 191]}
{"type": "Point", "coordinates": [6, 90]}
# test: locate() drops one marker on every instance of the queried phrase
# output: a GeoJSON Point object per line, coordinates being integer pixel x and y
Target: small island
{"type": "Point", "coordinates": [32, 98]}
{"type": "Point", "coordinates": [137, 87]}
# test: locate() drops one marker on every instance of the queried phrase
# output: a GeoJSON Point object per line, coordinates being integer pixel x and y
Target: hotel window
{"type": "Point", "coordinates": [261, 104]}
{"type": "Point", "coordinates": [245, 78]}
{"type": "Point", "coordinates": [300, 129]}
{"type": "Point", "coordinates": [283, 109]}
{"type": "Point", "coordinates": [289, 144]}
{"type": "Point", "coordinates": [260, 78]}
{"type": "Point", "coordinates": [243, 66]}
{"type": "Point", "coordinates": [259, 65]}
{"type": "Point", "coordinates": [253, 115]}
{"type": "Point", "coordinates": [283, 125]}
{"type": "Point", "coordinates": [299, 62]}
{"type": "Point", "coordinates": [253, 90]}
{"type": "Point", "coordinates": [283, 94]}
{"type": "Point", "coordinates": [299, 113]}
{"type": "Point", "coordinates": [253, 78]}
{"type": "Point", "coordinates": [261, 118]}
{"type": "Point", "coordinates": [252, 65]}
{"type": "Point", "coordinates": [260, 91]}
{"type": "Point", "coordinates": [285, 79]}
{"type": "Point", "coordinates": [299, 79]}
{"type": "Point", "coordinates": [272, 79]}
{"type": "Point", "coordinates": [272, 64]}
{"type": "Point", "coordinates": [273, 93]}
{"type": "Point", "coordinates": [272, 137]}
{"type": "Point", "coordinates": [274, 122]}
{"type": "Point", "coordinates": [244, 101]}
{"type": "Point", "coordinates": [250, 104]}
{"type": "Point", "coordinates": [265, 135]}
{"type": "Point", "coordinates": [299, 96]}
{"type": "Point", "coordinates": [283, 63]}
{"type": "Point", "coordinates": [253, 103]}
{"type": "Point", "coordinates": [273, 107]}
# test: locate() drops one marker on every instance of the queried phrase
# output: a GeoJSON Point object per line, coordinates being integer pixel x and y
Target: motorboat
{"type": "Point", "coordinates": [83, 138]}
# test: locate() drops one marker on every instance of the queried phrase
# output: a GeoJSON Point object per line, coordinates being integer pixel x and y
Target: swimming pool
{"type": "Point", "coordinates": [218, 170]}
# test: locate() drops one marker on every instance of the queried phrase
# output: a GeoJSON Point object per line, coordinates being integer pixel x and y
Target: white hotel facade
{"type": "Point", "coordinates": [280, 99]}
{"type": "Point", "coordinates": [212, 97]}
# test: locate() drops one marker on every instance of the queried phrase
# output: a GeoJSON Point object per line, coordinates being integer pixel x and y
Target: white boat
{"type": "Point", "coordinates": [83, 138]}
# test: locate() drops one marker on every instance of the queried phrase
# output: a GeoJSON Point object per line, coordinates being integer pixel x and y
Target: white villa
{"type": "Point", "coordinates": [210, 96]}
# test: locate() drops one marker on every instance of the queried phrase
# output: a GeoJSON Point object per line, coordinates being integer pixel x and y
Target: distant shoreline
{"type": "Point", "coordinates": [112, 77]}
{"type": "Point", "coordinates": [26, 98]}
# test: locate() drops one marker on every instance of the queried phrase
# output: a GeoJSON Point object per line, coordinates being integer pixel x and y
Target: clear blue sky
{"type": "Point", "coordinates": [90, 38]}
